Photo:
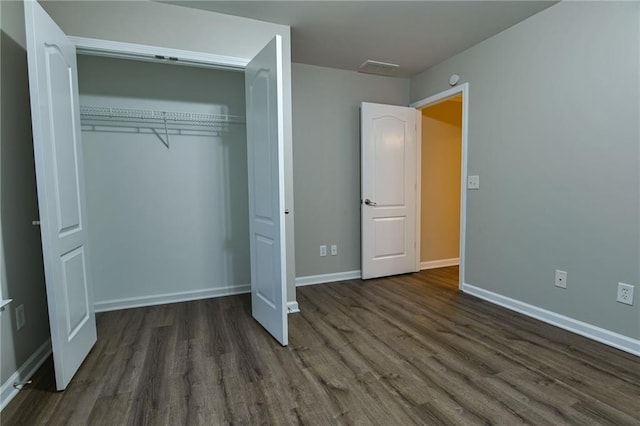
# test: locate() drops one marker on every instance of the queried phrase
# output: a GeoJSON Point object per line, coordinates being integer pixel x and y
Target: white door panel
{"type": "Point", "coordinates": [389, 151]}
{"type": "Point", "coordinates": [265, 158]}
{"type": "Point", "coordinates": [389, 234]}
{"type": "Point", "coordinates": [60, 178]}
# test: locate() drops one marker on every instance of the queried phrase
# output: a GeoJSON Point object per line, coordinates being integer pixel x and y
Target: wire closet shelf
{"type": "Point", "coordinates": [143, 115]}
{"type": "Point", "coordinates": [104, 119]}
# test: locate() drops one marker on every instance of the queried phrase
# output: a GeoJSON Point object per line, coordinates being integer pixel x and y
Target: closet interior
{"type": "Point", "coordinates": [165, 157]}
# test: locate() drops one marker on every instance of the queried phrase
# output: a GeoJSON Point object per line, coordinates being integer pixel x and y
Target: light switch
{"type": "Point", "coordinates": [473, 182]}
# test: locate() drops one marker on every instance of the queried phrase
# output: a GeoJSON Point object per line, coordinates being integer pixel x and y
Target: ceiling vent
{"type": "Point", "coordinates": [378, 68]}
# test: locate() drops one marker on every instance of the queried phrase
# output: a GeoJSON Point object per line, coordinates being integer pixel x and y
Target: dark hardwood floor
{"type": "Point", "coordinates": [394, 351]}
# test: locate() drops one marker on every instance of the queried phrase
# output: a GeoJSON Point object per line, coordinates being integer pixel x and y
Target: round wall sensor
{"type": "Point", "coordinates": [453, 80]}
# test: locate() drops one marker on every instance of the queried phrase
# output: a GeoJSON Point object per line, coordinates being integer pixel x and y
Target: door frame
{"type": "Point", "coordinates": [181, 57]}
{"type": "Point", "coordinates": [424, 103]}
{"type": "Point", "coordinates": [143, 52]}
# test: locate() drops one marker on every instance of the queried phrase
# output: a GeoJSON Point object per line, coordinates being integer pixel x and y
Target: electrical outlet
{"type": "Point", "coordinates": [625, 294]}
{"type": "Point", "coordinates": [323, 251]}
{"type": "Point", "coordinates": [561, 278]}
{"type": "Point", "coordinates": [334, 250]}
{"type": "Point", "coordinates": [20, 317]}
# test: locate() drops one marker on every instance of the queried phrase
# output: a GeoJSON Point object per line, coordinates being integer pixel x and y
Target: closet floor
{"type": "Point", "coordinates": [403, 350]}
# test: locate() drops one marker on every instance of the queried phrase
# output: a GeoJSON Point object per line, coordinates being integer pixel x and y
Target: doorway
{"type": "Point", "coordinates": [442, 174]}
{"type": "Point", "coordinates": [440, 184]}
{"type": "Point", "coordinates": [167, 208]}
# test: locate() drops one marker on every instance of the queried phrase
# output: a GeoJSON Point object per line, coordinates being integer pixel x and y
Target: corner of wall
{"type": "Point", "coordinates": [22, 271]}
{"type": "Point", "coordinates": [525, 126]}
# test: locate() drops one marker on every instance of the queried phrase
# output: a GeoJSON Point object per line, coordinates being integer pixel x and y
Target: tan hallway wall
{"type": "Point", "coordinates": [440, 192]}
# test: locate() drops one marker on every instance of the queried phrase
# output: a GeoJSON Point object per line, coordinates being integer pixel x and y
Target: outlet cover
{"type": "Point", "coordinates": [625, 294]}
{"type": "Point", "coordinates": [334, 250]}
{"type": "Point", "coordinates": [323, 251]}
{"type": "Point", "coordinates": [20, 317]}
{"type": "Point", "coordinates": [561, 279]}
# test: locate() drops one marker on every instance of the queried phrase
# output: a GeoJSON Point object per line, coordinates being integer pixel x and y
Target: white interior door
{"type": "Point", "coordinates": [265, 160]}
{"type": "Point", "coordinates": [389, 182]}
{"type": "Point", "coordinates": [55, 116]}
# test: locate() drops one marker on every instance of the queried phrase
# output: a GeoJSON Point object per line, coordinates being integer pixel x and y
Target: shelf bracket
{"type": "Point", "coordinates": [165, 141]}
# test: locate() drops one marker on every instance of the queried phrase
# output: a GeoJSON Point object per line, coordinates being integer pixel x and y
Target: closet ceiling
{"type": "Point", "coordinates": [412, 34]}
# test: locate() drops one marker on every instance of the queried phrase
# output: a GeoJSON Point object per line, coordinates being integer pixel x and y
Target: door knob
{"type": "Point", "coordinates": [370, 203]}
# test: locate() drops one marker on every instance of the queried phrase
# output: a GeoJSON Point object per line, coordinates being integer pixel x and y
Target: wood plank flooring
{"type": "Point", "coordinates": [394, 351]}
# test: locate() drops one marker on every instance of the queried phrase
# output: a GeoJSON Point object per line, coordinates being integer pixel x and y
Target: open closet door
{"type": "Point", "coordinates": [265, 160]}
{"type": "Point", "coordinates": [55, 116]}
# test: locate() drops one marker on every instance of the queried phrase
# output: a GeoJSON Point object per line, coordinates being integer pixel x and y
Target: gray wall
{"type": "Point", "coordinates": [553, 134]}
{"type": "Point", "coordinates": [23, 271]}
{"type": "Point", "coordinates": [165, 220]}
{"type": "Point", "coordinates": [326, 153]}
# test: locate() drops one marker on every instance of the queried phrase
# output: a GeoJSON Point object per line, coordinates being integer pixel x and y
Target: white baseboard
{"type": "Point", "coordinates": [24, 373]}
{"type": "Point", "coordinates": [162, 299]}
{"type": "Point", "coordinates": [593, 332]}
{"type": "Point", "coordinates": [293, 307]}
{"type": "Point", "coordinates": [327, 278]}
{"type": "Point", "coordinates": [432, 264]}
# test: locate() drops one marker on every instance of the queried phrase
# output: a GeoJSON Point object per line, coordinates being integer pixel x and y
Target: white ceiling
{"type": "Point", "coordinates": [412, 34]}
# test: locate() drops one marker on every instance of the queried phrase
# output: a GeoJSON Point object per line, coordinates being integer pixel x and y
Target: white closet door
{"type": "Point", "coordinates": [55, 115]}
{"type": "Point", "coordinates": [265, 158]}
